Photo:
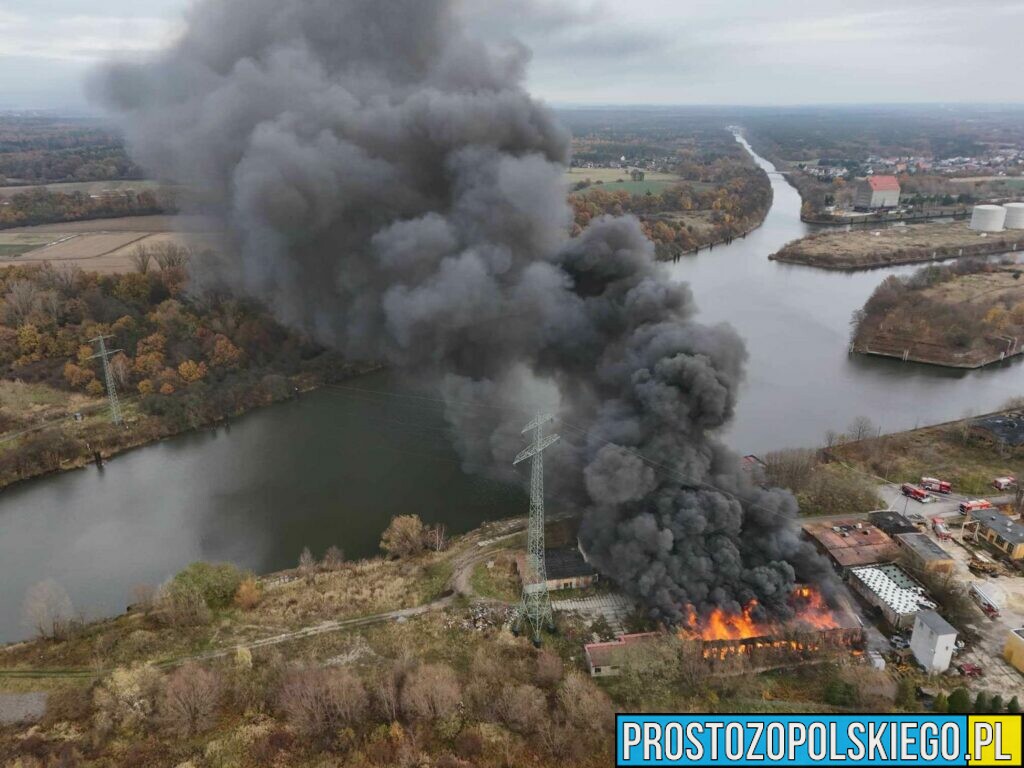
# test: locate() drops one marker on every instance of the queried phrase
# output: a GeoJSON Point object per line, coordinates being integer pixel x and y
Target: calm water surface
{"type": "Point", "coordinates": [333, 467]}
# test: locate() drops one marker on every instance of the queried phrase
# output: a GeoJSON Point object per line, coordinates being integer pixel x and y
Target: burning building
{"type": "Point", "coordinates": [815, 628]}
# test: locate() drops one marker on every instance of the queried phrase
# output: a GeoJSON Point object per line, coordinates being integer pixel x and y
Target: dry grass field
{"type": "Point", "coordinates": [896, 245]}
{"type": "Point", "coordinates": [101, 245]}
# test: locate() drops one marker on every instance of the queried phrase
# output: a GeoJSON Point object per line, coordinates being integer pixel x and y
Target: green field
{"type": "Point", "coordinates": [12, 245]}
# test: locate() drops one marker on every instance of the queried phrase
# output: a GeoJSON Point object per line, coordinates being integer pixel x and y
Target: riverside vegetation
{"type": "Point", "coordinates": [184, 360]}
{"type": "Point", "coordinates": [966, 314]}
{"type": "Point", "coordinates": [448, 687]}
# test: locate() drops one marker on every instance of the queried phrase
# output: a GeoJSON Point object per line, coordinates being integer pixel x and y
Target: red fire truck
{"type": "Point", "coordinates": [973, 506]}
{"type": "Point", "coordinates": [912, 491]}
{"type": "Point", "coordinates": [934, 484]}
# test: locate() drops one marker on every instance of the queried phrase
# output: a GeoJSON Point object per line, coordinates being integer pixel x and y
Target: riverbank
{"type": "Point", "coordinates": [911, 244]}
{"type": "Point", "coordinates": [86, 435]}
{"type": "Point", "coordinates": [968, 316]}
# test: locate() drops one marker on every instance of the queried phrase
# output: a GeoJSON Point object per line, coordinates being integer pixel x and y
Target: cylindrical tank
{"type": "Point", "coordinates": [988, 218]}
{"type": "Point", "coordinates": [1014, 215]}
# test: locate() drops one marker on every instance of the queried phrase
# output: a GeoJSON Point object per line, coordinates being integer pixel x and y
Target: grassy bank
{"type": "Point", "coordinates": [914, 243]}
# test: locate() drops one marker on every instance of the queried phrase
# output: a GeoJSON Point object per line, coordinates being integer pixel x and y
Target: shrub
{"type": "Point", "coordinates": [68, 704]}
{"type": "Point", "coordinates": [586, 706]}
{"type": "Point", "coordinates": [319, 702]}
{"type": "Point", "coordinates": [430, 692]}
{"type": "Point", "coordinates": [549, 669]}
{"type": "Point", "coordinates": [127, 698]}
{"type": "Point", "coordinates": [216, 583]}
{"type": "Point", "coordinates": [190, 699]}
{"type": "Point", "coordinates": [248, 595]}
{"type": "Point", "coordinates": [959, 702]}
{"type": "Point", "coordinates": [48, 609]}
{"type": "Point", "coordinates": [522, 707]}
{"type": "Point", "coordinates": [403, 536]}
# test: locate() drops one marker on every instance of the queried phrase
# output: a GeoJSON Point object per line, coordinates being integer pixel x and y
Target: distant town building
{"type": "Point", "coordinates": [566, 569]}
{"type": "Point", "coordinates": [1000, 531]}
{"type": "Point", "coordinates": [876, 192]}
{"type": "Point", "coordinates": [607, 659]}
{"type": "Point", "coordinates": [925, 554]}
{"type": "Point", "coordinates": [851, 543]}
{"type": "Point", "coordinates": [894, 592]}
{"type": "Point", "coordinates": [932, 642]}
{"type": "Point", "coordinates": [1013, 651]}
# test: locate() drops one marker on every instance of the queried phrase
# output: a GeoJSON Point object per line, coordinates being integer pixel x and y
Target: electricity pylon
{"type": "Point", "coordinates": [108, 377]}
{"type": "Point", "coordinates": [535, 607]}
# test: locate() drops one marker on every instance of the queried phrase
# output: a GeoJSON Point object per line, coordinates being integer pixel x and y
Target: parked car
{"type": "Point", "coordinates": [970, 670]}
{"type": "Point", "coordinates": [898, 642]}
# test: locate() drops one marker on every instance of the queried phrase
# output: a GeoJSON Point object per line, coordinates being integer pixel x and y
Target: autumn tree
{"type": "Point", "coordinates": [247, 596]}
{"type": "Point", "coordinates": [403, 536]}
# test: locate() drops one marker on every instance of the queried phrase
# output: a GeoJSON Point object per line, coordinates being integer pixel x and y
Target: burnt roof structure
{"type": "Point", "coordinates": [567, 564]}
{"type": "Point", "coordinates": [891, 522]}
{"type": "Point", "coordinates": [1005, 428]}
{"type": "Point", "coordinates": [852, 542]}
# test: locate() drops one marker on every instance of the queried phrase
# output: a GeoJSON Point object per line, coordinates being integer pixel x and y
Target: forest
{"type": "Point", "coordinates": [182, 361]}
{"type": "Point", "coordinates": [40, 150]}
{"type": "Point", "coordinates": [42, 206]}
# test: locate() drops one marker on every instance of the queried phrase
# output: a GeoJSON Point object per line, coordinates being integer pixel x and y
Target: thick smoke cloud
{"type": "Point", "coordinates": [388, 185]}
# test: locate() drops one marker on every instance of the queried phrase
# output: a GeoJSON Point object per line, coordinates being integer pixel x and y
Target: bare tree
{"type": "Point", "coordinates": [48, 609]}
{"type": "Point", "coordinates": [141, 258]}
{"type": "Point", "coordinates": [861, 428]}
{"type": "Point", "coordinates": [190, 700]}
{"type": "Point", "coordinates": [333, 559]}
{"type": "Point", "coordinates": [549, 669]}
{"type": "Point", "coordinates": [21, 300]}
{"type": "Point", "coordinates": [170, 255]}
{"type": "Point", "coordinates": [307, 565]}
{"type": "Point", "coordinates": [586, 706]}
{"type": "Point", "coordinates": [436, 537]}
{"type": "Point", "coordinates": [792, 469]}
{"type": "Point", "coordinates": [318, 702]}
{"type": "Point", "coordinates": [431, 692]}
{"type": "Point", "coordinates": [388, 690]}
{"type": "Point", "coordinates": [522, 707]}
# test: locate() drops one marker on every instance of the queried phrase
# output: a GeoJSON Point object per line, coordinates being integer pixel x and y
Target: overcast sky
{"type": "Point", "coordinates": [614, 52]}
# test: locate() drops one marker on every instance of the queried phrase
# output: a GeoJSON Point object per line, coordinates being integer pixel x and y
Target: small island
{"type": "Point", "coordinates": [909, 244]}
{"type": "Point", "coordinates": [964, 315]}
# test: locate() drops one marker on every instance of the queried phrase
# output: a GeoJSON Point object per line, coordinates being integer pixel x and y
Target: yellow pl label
{"type": "Point", "coordinates": [994, 740]}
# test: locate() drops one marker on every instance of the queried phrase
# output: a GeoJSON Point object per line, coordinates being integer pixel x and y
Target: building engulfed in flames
{"type": "Point", "coordinates": [814, 630]}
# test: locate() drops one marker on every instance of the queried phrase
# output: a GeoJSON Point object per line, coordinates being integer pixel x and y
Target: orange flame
{"type": "Point", "coordinates": [811, 611]}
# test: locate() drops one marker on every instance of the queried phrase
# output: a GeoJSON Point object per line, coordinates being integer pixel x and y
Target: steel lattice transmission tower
{"type": "Point", "coordinates": [108, 377]}
{"type": "Point", "coordinates": [535, 607]}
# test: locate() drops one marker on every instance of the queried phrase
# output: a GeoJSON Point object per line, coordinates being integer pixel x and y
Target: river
{"type": "Point", "coordinates": [332, 467]}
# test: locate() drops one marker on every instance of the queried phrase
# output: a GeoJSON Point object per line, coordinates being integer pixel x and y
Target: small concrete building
{"type": "Point", "coordinates": [1013, 651]}
{"type": "Point", "coordinates": [876, 192]}
{"type": "Point", "coordinates": [1001, 531]}
{"type": "Point", "coordinates": [566, 569]}
{"type": "Point", "coordinates": [932, 642]}
{"type": "Point", "coordinates": [925, 554]}
{"type": "Point", "coordinates": [607, 659]}
{"type": "Point", "coordinates": [892, 523]}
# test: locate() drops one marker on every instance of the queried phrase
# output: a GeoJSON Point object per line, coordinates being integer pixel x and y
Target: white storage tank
{"type": "Point", "coordinates": [988, 218]}
{"type": "Point", "coordinates": [1014, 215]}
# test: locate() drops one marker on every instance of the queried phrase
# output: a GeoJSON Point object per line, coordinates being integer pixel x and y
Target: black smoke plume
{"type": "Point", "coordinates": [388, 185]}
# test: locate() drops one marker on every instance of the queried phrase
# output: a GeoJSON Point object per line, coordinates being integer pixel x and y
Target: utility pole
{"type": "Point", "coordinates": [535, 607]}
{"type": "Point", "coordinates": [108, 377]}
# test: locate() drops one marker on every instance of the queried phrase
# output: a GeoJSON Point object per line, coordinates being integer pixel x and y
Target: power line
{"type": "Point", "coordinates": [108, 376]}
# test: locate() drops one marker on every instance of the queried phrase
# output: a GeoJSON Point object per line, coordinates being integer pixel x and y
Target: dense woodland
{"type": "Point", "coordinates": [184, 360]}
{"type": "Point", "coordinates": [906, 308]}
{"type": "Point", "coordinates": [41, 206]}
{"type": "Point", "coordinates": [39, 150]}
